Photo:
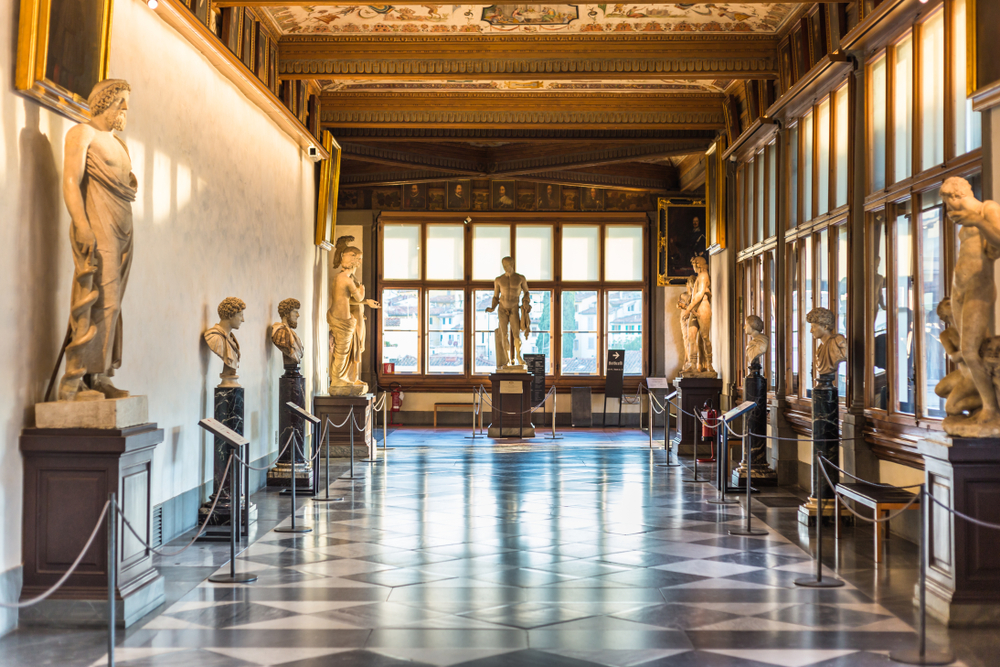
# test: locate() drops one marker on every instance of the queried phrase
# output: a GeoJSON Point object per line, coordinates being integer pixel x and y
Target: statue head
{"type": "Point", "coordinates": [508, 264]}
{"type": "Point", "coordinates": [822, 320]}
{"type": "Point", "coordinates": [350, 258]}
{"type": "Point", "coordinates": [288, 310]}
{"type": "Point", "coordinates": [343, 242]}
{"type": "Point", "coordinates": [699, 264]}
{"type": "Point", "coordinates": [231, 311]}
{"type": "Point", "coordinates": [955, 189]}
{"type": "Point", "coordinates": [753, 325]}
{"type": "Point", "coordinates": [108, 103]}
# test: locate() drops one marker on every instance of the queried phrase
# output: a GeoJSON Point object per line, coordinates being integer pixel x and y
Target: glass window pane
{"type": "Point", "coordinates": [445, 252]}
{"type": "Point", "coordinates": [445, 331]}
{"type": "Point", "coordinates": [823, 268]}
{"type": "Point", "coordinates": [905, 302]}
{"type": "Point", "coordinates": [401, 329]}
{"type": "Point", "coordinates": [932, 265]}
{"type": "Point", "coordinates": [401, 249]}
{"type": "Point", "coordinates": [932, 101]}
{"type": "Point", "coordinates": [793, 272]}
{"type": "Point", "coordinates": [623, 252]}
{"type": "Point", "coordinates": [842, 143]}
{"type": "Point", "coordinates": [772, 188]}
{"type": "Point", "coordinates": [902, 111]}
{"type": "Point", "coordinates": [534, 251]}
{"type": "Point", "coordinates": [793, 177]}
{"type": "Point", "coordinates": [484, 353]}
{"type": "Point", "coordinates": [772, 323]}
{"type": "Point", "coordinates": [579, 333]}
{"type": "Point", "coordinates": [968, 123]}
{"type": "Point", "coordinates": [878, 88]}
{"type": "Point", "coordinates": [540, 338]}
{"type": "Point", "coordinates": [759, 195]}
{"type": "Point", "coordinates": [579, 252]}
{"type": "Point", "coordinates": [879, 313]}
{"type": "Point", "coordinates": [807, 305]}
{"type": "Point", "coordinates": [624, 319]}
{"type": "Point", "coordinates": [823, 157]}
{"type": "Point", "coordinates": [490, 244]}
{"type": "Point", "coordinates": [807, 168]}
{"type": "Point", "coordinates": [841, 309]}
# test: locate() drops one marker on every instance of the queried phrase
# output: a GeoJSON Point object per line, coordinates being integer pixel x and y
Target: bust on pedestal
{"type": "Point", "coordinates": [511, 383]}
{"type": "Point", "coordinates": [830, 353]}
{"type": "Point", "coordinates": [291, 388]}
{"type": "Point", "coordinates": [96, 439]}
{"type": "Point", "coordinates": [755, 391]}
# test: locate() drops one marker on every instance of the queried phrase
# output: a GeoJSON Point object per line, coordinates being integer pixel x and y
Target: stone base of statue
{"type": "Point", "coordinates": [106, 413]}
{"type": "Point", "coordinates": [693, 393]}
{"type": "Point", "coordinates": [291, 388]}
{"type": "Point", "coordinates": [755, 425]}
{"type": "Point", "coordinates": [348, 389]}
{"type": "Point", "coordinates": [337, 408]}
{"type": "Point", "coordinates": [68, 474]}
{"type": "Point", "coordinates": [826, 434]}
{"type": "Point", "coordinates": [511, 398]}
{"type": "Point", "coordinates": [229, 411]}
{"type": "Point", "coordinates": [513, 368]}
{"type": "Point", "coordinates": [963, 578]}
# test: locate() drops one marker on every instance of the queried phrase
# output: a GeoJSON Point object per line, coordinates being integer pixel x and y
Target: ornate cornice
{"type": "Point", "coordinates": [393, 178]}
{"type": "Point", "coordinates": [520, 56]}
{"type": "Point", "coordinates": [435, 134]}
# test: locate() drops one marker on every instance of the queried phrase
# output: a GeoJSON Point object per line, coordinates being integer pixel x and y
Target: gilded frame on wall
{"type": "Point", "coordinates": [715, 196]}
{"type": "Point", "coordinates": [39, 70]}
{"type": "Point", "coordinates": [329, 192]}
{"type": "Point", "coordinates": [677, 239]}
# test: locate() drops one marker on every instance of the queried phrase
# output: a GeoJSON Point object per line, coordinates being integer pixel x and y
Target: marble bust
{"type": "Point", "coordinates": [223, 343]}
{"type": "Point", "coordinates": [757, 342]}
{"type": "Point", "coordinates": [508, 289]}
{"type": "Point", "coordinates": [973, 301]}
{"type": "Point", "coordinates": [283, 334]}
{"type": "Point", "coordinates": [832, 348]}
{"type": "Point", "coordinates": [99, 188]}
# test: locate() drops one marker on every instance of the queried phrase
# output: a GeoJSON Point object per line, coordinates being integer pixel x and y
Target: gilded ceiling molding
{"type": "Point", "coordinates": [433, 134]}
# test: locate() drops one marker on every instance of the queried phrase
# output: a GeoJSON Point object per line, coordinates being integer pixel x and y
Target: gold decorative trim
{"type": "Point", "coordinates": [329, 192]}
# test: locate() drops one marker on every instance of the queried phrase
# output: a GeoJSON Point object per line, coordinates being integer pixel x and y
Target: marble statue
{"type": "Point", "coordinates": [283, 333]}
{"type": "Point", "coordinates": [757, 342]}
{"type": "Point", "coordinates": [223, 343]}
{"type": "Point", "coordinates": [832, 348]}
{"type": "Point", "coordinates": [973, 301]}
{"type": "Point", "coordinates": [699, 311]}
{"type": "Point", "coordinates": [99, 188]}
{"type": "Point", "coordinates": [346, 320]}
{"type": "Point", "coordinates": [689, 328]}
{"type": "Point", "coordinates": [956, 387]}
{"type": "Point", "coordinates": [514, 319]}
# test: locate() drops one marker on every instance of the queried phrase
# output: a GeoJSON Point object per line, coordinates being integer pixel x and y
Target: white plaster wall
{"type": "Point", "coordinates": [673, 341]}
{"type": "Point", "coordinates": [225, 208]}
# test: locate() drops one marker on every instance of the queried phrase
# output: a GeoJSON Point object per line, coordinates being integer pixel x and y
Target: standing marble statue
{"type": "Point", "coordinates": [831, 351]}
{"type": "Point", "coordinates": [755, 391]}
{"type": "Point", "coordinates": [698, 311]}
{"type": "Point", "coordinates": [99, 188]}
{"type": "Point", "coordinates": [291, 389]}
{"type": "Point", "coordinates": [346, 320]}
{"type": "Point", "coordinates": [514, 318]}
{"type": "Point", "coordinates": [973, 305]}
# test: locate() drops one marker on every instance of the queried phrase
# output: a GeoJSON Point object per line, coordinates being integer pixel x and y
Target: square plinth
{"type": "Point", "coordinates": [108, 413]}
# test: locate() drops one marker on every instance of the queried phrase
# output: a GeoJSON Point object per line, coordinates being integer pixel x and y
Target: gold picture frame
{"type": "Point", "coordinates": [329, 192]}
{"type": "Point", "coordinates": [715, 197]}
{"type": "Point", "coordinates": [56, 76]}
{"type": "Point", "coordinates": [677, 239]}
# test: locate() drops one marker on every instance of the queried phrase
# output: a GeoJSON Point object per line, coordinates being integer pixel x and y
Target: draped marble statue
{"type": "Point", "coordinates": [972, 307]}
{"type": "Point", "coordinates": [223, 343]}
{"type": "Point", "coordinates": [696, 322]}
{"type": "Point", "coordinates": [283, 334]}
{"type": "Point", "coordinates": [99, 188]}
{"type": "Point", "coordinates": [514, 318]}
{"type": "Point", "coordinates": [346, 320]}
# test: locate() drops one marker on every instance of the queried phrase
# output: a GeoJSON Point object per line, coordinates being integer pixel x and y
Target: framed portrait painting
{"type": "Point", "coordinates": [715, 194]}
{"type": "Point", "coordinates": [681, 238]}
{"type": "Point", "coordinates": [503, 195]}
{"type": "Point", "coordinates": [593, 199]}
{"type": "Point", "coordinates": [415, 197]}
{"type": "Point", "coordinates": [458, 195]}
{"type": "Point", "coordinates": [548, 197]}
{"type": "Point", "coordinates": [246, 42]}
{"type": "Point", "coordinates": [329, 196]}
{"type": "Point", "coordinates": [63, 52]}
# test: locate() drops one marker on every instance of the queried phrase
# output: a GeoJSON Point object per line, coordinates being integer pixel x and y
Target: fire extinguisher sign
{"type": "Point", "coordinates": [389, 368]}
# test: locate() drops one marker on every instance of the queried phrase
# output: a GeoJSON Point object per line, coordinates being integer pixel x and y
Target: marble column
{"type": "Point", "coordinates": [291, 388]}
{"type": "Point", "coordinates": [755, 425]}
{"type": "Point", "coordinates": [229, 411]}
{"type": "Point", "coordinates": [826, 435]}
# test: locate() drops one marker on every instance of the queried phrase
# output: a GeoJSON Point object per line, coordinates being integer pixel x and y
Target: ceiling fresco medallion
{"type": "Point", "coordinates": [436, 19]}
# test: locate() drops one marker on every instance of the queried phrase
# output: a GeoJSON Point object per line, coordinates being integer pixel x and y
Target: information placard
{"type": "Point", "coordinates": [657, 383]}
{"type": "Point", "coordinates": [616, 371]}
{"type": "Point", "coordinates": [536, 366]}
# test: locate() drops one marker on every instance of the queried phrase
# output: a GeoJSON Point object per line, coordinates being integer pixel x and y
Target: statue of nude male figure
{"type": "Point", "coordinates": [513, 320]}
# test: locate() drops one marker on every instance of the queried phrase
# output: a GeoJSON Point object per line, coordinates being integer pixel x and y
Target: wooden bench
{"type": "Point", "coordinates": [881, 500]}
{"type": "Point", "coordinates": [456, 405]}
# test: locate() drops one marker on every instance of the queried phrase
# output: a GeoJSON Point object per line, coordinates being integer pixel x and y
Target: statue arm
{"type": "Point", "coordinates": [74, 170]}
{"type": "Point", "coordinates": [496, 296]}
{"type": "Point", "coordinates": [526, 299]}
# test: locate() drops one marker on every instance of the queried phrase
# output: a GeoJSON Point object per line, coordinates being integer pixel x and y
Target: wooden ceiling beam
{"type": "Point", "coordinates": [609, 156]}
{"type": "Point", "coordinates": [552, 137]}
{"type": "Point", "coordinates": [474, 3]}
{"type": "Point", "coordinates": [398, 158]}
{"type": "Point", "coordinates": [529, 56]}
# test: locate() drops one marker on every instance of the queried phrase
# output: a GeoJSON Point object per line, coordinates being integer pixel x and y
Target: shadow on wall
{"type": "Point", "coordinates": [319, 321]}
{"type": "Point", "coordinates": [39, 212]}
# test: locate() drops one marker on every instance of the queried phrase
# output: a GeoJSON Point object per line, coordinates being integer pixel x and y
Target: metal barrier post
{"type": "Point", "coordinates": [326, 498]}
{"type": "Point", "coordinates": [293, 528]}
{"type": "Point", "coordinates": [475, 399]}
{"type": "Point", "coordinates": [697, 440]}
{"type": "Point", "coordinates": [819, 581]}
{"type": "Point", "coordinates": [234, 526]}
{"type": "Point", "coordinates": [112, 572]}
{"type": "Point", "coordinates": [668, 445]}
{"type": "Point", "coordinates": [747, 530]}
{"type": "Point", "coordinates": [246, 491]}
{"type": "Point", "coordinates": [555, 409]}
{"type": "Point", "coordinates": [920, 655]}
{"type": "Point", "coordinates": [722, 467]}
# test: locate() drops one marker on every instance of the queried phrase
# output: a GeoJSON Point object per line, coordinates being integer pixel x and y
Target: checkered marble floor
{"type": "Point", "coordinates": [472, 553]}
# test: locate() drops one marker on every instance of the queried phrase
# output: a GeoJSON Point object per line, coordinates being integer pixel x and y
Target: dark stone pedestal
{"type": "Point", "coordinates": [826, 434]}
{"type": "Point", "coordinates": [291, 387]}
{"type": "Point", "coordinates": [337, 409]}
{"type": "Point", "coordinates": [511, 398]}
{"type": "Point", "coordinates": [755, 391]}
{"type": "Point", "coordinates": [692, 394]}
{"type": "Point", "coordinates": [229, 411]}
{"type": "Point", "coordinates": [68, 474]}
{"type": "Point", "coordinates": [963, 571]}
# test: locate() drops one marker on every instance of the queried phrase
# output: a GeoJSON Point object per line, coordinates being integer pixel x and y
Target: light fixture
{"type": "Point", "coordinates": [468, 219]}
{"type": "Point", "coordinates": [152, 4]}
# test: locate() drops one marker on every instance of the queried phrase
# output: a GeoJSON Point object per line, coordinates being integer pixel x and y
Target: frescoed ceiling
{"type": "Point", "coordinates": [543, 19]}
{"type": "Point", "coordinates": [486, 85]}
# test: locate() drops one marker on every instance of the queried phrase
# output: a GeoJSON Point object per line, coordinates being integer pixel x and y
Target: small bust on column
{"type": "Point", "coordinates": [757, 342]}
{"type": "Point", "coordinates": [283, 333]}
{"type": "Point", "coordinates": [832, 348]}
{"type": "Point", "coordinates": [223, 343]}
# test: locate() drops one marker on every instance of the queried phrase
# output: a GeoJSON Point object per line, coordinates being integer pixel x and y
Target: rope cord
{"type": "Point", "coordinates": [865, 481]}
{"type": "Point", "coordinates": [890, 517]}
{"type": "Point", "coordinates": [70, 571]}
{"type": "Point", "coordinates": [523, 412]}
{"type": "Point", "coordinates": [288, 441]}
{"type": "Point", "coordinates": [977, 522]}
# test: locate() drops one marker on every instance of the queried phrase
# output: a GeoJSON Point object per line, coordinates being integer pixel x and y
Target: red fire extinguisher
{"type": "Point", "coordinates": [709, 424]}
{"type": "Point", "coordinates": [397, 401]}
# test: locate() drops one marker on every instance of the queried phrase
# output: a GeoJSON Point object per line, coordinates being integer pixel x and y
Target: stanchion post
{"type": "Point", "coordinates": [350, 427]}
{"type": "Point", "coordinates": [721, 466]}
{"type": "Point", "coordinates": [747, 531]}
{"type": "Point", "coordinates": [295, 479]}
{"type": "Point", "coordinates": [385, 421]}
{"type": "Point", "coordinates": [819, 581]}
{"type": "Point", "coordinates": [112, 574]}
{"type": "Point", "coordinates": [246, 491]}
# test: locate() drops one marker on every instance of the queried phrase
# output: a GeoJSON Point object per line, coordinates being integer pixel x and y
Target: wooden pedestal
{"type": "Point", "coordinates": [692, 394]}
{"type": "Point", "coordinates": [511, 398]}
{"type": "Point", "coordinates": [337, 409]}
{"type": "Point", "coordinates": [68, 474]}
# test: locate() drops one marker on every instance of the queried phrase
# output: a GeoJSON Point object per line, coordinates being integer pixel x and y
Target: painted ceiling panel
{"type": "Point", "coordinates": [618, 85]}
